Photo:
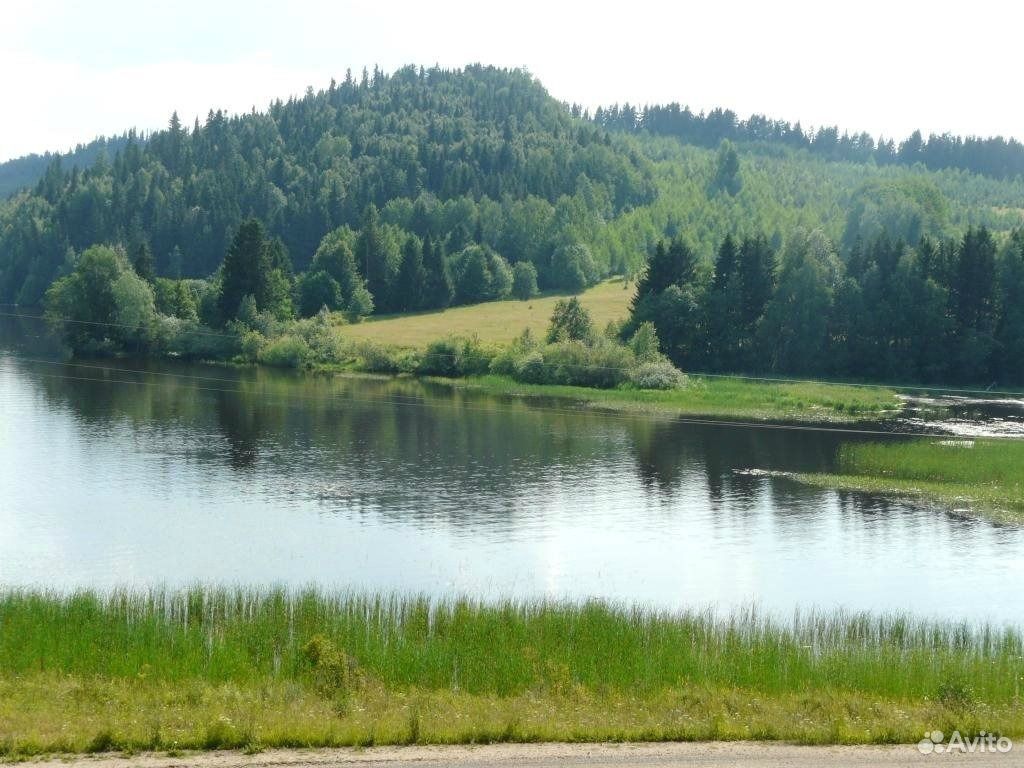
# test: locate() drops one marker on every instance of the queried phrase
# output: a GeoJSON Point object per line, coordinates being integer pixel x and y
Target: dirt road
{"type": "Point", "coordinates": [713, 755]}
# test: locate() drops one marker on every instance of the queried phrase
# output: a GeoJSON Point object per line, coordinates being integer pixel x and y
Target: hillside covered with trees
{"type": "Point", "coordinates": [992, 156]}
{"type": "Point", "coordinates": [480, 155]}
{"type": "Point", "coordinates": [430, 188]}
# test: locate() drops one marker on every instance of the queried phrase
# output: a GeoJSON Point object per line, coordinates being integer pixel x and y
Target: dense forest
{"type": "Point", "coordinates": [429, 188]}
{"type": "Point", "coordinates": [478, 155]}
{"type": "Point", "coordinates": [993, 156]}
{"type": "Point", "coordinates": [24, 172]}
{"type": "Point", "coordinates": [941, 311]}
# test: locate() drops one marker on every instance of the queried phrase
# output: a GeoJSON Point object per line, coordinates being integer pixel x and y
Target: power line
{"type": "Point", "coordinates": [678, 418]}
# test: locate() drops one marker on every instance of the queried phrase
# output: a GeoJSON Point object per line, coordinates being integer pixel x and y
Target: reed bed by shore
{"type": "Point", "coordinates": [980, 476]}
{"type": "Point", "coordinates": [247, 668]}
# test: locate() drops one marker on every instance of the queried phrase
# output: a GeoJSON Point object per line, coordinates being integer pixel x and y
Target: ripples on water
{"type": "Point", "coordinates": [394, 485]}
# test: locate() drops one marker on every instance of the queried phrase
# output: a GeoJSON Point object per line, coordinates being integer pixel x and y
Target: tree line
{"type": "Point", "coordinates": [947, 310]}
{"type": "Point", "coordinates": [992, 156]}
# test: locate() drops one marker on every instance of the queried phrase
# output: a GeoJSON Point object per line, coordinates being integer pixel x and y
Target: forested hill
{"type": "Point", "coordinates": [995, 156]}
{"type": "Point", "coordinates": [23, 172]}
{"type": "Point", "coordinates": [463, 156]}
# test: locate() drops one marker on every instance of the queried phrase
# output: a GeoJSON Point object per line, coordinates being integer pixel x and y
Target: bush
{"type": "Point", "coordinates": [645, 344]}
{"type": "Point", "coordinates": [657, 374]}
{"type": "Point", "coordinates": [456, 356]}
{"type": "Point", "coordinates": [531, 369]}
{"type": "Point", "coordinates": [377, 358]}
{"type": "Point", "coordinates": [325, 344]}
{"type": "Point", "coordinates": [508, 358]}
{"type": "Point", "coordinates": [286, 352]}
{"type": "Point", "coordinates": [604, 365]}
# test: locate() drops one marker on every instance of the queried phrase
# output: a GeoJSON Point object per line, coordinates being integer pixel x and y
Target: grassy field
{"type": "Point", "coordinates": [495, 321]}
{"type": "Point", "coordinates": [985, 476]}
{"type": "Point", "coordinates": [720, 398]}
{"type": "Point", "coordinates": [214, 668]}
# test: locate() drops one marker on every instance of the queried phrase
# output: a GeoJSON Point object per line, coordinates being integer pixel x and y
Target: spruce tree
{"type": "Point", "coordinates": [410, 285]}
{"type": "Point", "coordinates": [246, 270]}
{"type": "Point", "coordinates": [143, 262]}
{"type": "Point", "coordinates": [438, 290]}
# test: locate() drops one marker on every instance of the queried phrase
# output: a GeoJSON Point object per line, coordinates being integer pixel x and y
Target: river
{"type": "Point", "coordinates": [140, 474]}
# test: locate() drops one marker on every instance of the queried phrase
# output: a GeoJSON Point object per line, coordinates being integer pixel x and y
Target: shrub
{"type": "Point", "coordinates": [645, 344]}
{"type": "Point", "coordinates": [378, 358]}
{"type": "Point", "coordinates": [531, 369]}
{"type": "Point", "coordinates": [657, 374]}
{"type": "Point", "coordinates": [603, 365]}
{"type": "Point", "coordinates": [252, 343]}
{"type": "Point", "coordinates": [508, 358]}
{"type": "Point", "coordinates": [286, 351]}
{"type": "Point", "coordinates": [325, 344]}
{"type": "Point", "coordinates": [456, 356]}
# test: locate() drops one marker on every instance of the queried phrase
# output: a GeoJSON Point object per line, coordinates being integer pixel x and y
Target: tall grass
{"type": "Point", "coordinates": [245, 636]}
{"type": "Point", "coordinates": [985, 476]}
{"type": "Point", "coordinates": [992, 462]}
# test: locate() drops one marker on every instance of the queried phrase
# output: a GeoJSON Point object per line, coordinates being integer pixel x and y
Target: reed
{"type": "Point", "coordinates": [158, 669]}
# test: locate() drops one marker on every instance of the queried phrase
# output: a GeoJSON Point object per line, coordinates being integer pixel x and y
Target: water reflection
{"type": "Point", "coordinates": [183, 473]}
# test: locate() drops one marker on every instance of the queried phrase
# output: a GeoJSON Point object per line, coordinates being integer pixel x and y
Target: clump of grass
{"type": "Point", "coordinates": [987, 475]}
{"type": "Point", "coordinates": [243, 669]}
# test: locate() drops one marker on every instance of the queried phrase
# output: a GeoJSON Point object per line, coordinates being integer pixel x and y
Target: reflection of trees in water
{"type": "Point", "coordinates": [412, 450]}
{"type": "Point", "coordinates": [666, 450]}
{"type": "Point", "coordinates": [241, 422]}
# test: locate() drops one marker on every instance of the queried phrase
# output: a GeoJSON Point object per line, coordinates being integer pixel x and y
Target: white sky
{"type": "Point", "coordinates": [74, 70]}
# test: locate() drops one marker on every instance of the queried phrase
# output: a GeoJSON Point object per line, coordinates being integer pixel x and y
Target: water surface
{"type": "Point", "coordinates": [176, 474]}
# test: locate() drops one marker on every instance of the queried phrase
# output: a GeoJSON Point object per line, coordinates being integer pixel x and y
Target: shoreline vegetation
{"type": "Point", "coordinates": [210, 668]}
{"type": "Point", "coordinates": [980, 476]}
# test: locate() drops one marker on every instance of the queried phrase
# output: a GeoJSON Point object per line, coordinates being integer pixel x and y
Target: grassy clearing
{"type": "Point", "coordinates": [215, 668]}
{"type": "Point", "coordinates": [983, 475]}
{"type": "Point", "coordinates": [722, 398]}
{"type": "Point", "coordinates": [494, 321]}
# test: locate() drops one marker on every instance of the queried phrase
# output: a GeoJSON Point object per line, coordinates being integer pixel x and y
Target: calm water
{"type": "Point", "coordinates": [182, 474]}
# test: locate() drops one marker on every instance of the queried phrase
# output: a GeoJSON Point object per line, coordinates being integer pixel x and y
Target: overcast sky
{"type": "Point", "coordinates": [75, 70]}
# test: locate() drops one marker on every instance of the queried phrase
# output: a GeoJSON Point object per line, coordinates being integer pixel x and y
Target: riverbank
{"type": "Point", "coordinates": [983, 477]}
{"type": "Point", "coordinates": [252, 669]}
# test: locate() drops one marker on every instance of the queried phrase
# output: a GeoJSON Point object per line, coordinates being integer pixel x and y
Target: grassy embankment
{"type": "Point", "coordinates": [985, 476]}
{"type": "Point", "coordinates": [250, 669]}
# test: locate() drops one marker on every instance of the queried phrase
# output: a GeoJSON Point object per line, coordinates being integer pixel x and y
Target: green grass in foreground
{"type": "Point", "coordinates": [984, 475]}
{"type": "Point", "coordinates": [214, 668]}
{"type": "Point", "coordinates": [492, 321]}
{"type": "Point", "coordinates": [723, 398]}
